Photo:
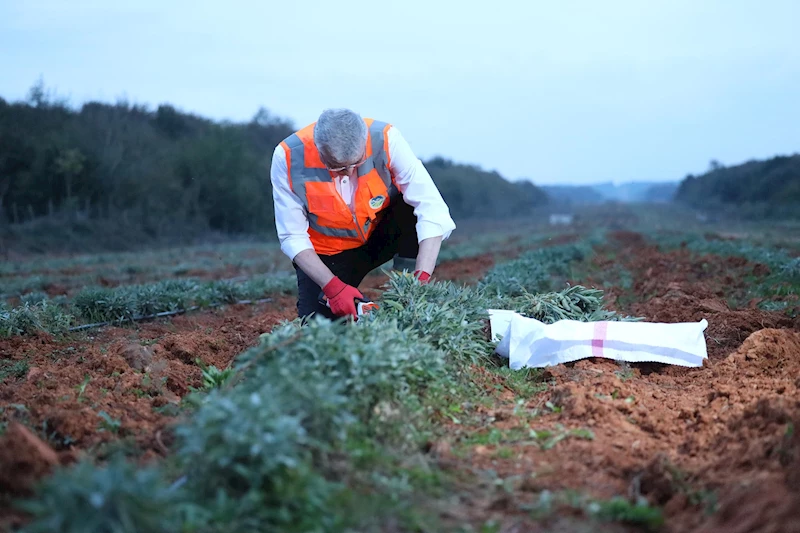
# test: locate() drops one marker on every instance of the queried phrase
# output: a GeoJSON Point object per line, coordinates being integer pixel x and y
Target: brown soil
{"type": "Point", "coordinates": [71, 279]}
{"type": "Point", "coordinates": [133, 373]}
{"type": "Point", "coordinates": [32, 459]}
{"type": "Point", "coordinates": [678, 286]}
{"type": "Point", "coordinates": [128, 373]}
{"type": "Point", "coordinates": [66, 286]}
{"type": "Point", "coordinates": [717, 447]}
{"type": "Point", "coordinates": [471, 269]}
{"type": "Point", "coordinates": [688, 440]}
{"type": "Point", "coordinates": [465, 270]}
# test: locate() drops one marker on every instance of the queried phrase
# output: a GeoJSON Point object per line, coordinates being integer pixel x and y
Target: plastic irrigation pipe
{"type": "Point", "coordinates": [166, 313]}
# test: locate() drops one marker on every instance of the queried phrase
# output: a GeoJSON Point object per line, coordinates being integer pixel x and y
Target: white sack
{"type": "Point", "coordinates": [526, 342]}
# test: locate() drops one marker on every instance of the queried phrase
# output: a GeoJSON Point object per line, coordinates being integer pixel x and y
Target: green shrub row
{"type": "Point", "coordinates": [775, 258]}
{"type": "Point", "coordinates": [19, 286]}
{"type": "Point", "coordinates": [28, 319]}
{"type": "Point", "coordinates": [778, 289]}
{"type": "Point", "coordinates": [488, 242]}
{"type": "Point", "coordinates": [573, 303]}
{"type": "Point", "coordinates": [537, 271]}
{"type": "Point", "coordinates": [273, 452]}
{"type": "Point", "coordinates": [791, 269]}
{"type": "Point", "coordinates": [316, 431]}
{"type": "Point", "coordinates": [133, 302]}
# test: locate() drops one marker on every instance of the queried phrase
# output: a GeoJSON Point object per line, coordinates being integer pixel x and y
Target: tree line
{"type": "Point", "coordinates": [753, 190]}
{"type": "Point", "coordinates": [163, 172]}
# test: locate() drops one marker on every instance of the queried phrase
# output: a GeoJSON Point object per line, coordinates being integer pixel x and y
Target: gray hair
{"type": "Point", "coordinates": [340, 136]}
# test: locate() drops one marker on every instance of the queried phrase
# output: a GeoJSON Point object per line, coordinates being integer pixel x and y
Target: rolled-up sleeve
{"type": "Point", "coordinates": [418, 189]}
{"type": "Point", "coordinates": [291, 220]}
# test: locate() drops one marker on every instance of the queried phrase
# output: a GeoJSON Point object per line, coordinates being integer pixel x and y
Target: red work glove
{"type": "Point", "coordinates": [341, 297]}
{"type": "Point", "coordinates": [422, 276]}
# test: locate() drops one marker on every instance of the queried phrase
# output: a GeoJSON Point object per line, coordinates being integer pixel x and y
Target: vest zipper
{"type": "Point", "coordinates": [358, 229]}
{"type": "Point", "coordinates": [355, 218]}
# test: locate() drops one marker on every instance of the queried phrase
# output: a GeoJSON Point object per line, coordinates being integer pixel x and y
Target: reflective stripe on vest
{"type": "Point", "coordinates": [300, 175]}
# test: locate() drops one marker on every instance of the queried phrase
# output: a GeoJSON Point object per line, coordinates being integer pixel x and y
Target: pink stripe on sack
{"type": "Point", "coordinates": [600, 333]}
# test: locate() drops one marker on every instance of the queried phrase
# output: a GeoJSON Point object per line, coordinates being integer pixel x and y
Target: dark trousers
{"type": "Point", "coordinates": [394, 236]}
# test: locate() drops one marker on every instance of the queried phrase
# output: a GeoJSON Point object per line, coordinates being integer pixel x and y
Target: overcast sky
{"type": "Point", "coordinates": [556, 92]}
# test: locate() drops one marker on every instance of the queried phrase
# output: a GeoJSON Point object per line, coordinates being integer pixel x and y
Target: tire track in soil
{"type": "Point", "coordinates": [725, 434]}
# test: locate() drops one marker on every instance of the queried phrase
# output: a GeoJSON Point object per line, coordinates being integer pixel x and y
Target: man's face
{"type": "Point", "coordinates": [350, 169]}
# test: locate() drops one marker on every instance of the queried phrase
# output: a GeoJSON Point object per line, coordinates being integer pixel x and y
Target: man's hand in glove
{"type": "Point", "coordinates": [423, 277]}
{"type": "Point", "coordinates": [341, 297]}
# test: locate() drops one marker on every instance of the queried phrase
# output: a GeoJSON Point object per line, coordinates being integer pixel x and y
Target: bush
{"type": "Point", "coordinates": [792, 269]}
{"type": "Point", "coordinates": [253, 452]}
{"type": "Point", "coordinates": [533, 272]}
{"type": "Point", "coordinates": [271, 443]}
{"type": "Point", "coordinates": [100, 305]}
{"type": "Point", "coordinates": [28, 319]}
{"type": "Point", "coordinates": [443, 314]}
{"type": "Point", "coordinates": [133, 302]}
{"type": "Point", "coordinates": [13, 369]}
{"type": "Point", "coordinates": [121, 497]}
{"type": "Point", "coordinates": [366, 364]}
{"type": "Point", "coordinates": [573, 303]}
{"type": "Point", "coordinates": [34, 297]}
{"type": "Point", "coordinates": [619, 509]}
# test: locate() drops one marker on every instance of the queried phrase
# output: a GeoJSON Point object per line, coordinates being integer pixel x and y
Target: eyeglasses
{"type": "Point", "coordinates": [348, 167]}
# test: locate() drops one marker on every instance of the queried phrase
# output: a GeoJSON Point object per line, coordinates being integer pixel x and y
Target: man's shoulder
{"type": "Point", "coordinates": [375, 122]}
{"type": "Point", "coordinates": [305, 131]}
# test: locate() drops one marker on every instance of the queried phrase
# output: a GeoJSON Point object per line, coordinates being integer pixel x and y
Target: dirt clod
{"type": "Point", "coordinates": [24, 459]}
{"type": "Point", "coordinates": [137, 356]}
{"type": "Point", "coordinates": [441, 449]}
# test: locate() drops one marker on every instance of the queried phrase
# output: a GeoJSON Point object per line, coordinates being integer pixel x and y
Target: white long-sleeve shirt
{"type": "Point", "coordinates": [411, 177]}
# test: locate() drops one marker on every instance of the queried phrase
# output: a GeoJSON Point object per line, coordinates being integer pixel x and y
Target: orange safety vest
{"type": "Point", "coordinates": [332, 227]}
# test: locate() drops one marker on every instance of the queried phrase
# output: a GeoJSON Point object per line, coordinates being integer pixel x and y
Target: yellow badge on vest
{"type": "Point", "coordinates": [377, 202]}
